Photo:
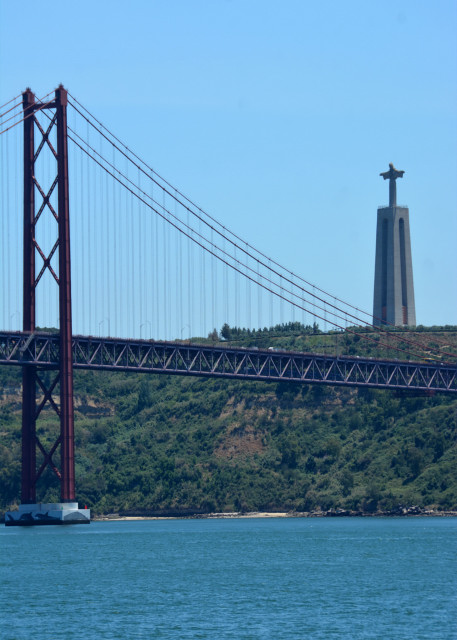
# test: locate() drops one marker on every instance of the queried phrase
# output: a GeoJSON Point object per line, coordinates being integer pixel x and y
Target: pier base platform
{"type": "Point", "coordinates": [47, 513]}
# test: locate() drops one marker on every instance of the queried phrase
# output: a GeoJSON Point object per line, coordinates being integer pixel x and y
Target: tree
{"type": "Point", "coordinates": [144, 395]}
{"type": "Point", "coordinates": [213, 336]}
{"type": "Point", "coordinates": [226, 332]}
{"type": "Point", "coordinates": [346, 481]}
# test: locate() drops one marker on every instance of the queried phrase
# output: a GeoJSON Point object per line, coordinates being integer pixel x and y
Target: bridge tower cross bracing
{"type": "Point", "coordinates": [67, 511]}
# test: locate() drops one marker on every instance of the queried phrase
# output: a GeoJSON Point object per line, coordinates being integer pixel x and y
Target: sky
{"type": "Point", "coordinates": [276, 118]}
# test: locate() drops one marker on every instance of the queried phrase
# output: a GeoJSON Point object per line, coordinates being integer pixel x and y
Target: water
{"type": "Point", "coordinates": [252, 578]}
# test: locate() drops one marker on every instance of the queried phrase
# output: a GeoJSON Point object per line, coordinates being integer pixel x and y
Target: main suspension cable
{"type": "Point", "coordinates": [239, 270]}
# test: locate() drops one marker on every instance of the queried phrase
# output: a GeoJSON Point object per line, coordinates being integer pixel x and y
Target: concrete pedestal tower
{"type": "Point", "coordinates": [393, 301]}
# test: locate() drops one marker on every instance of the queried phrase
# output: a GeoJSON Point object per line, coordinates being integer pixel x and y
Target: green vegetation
{"type": "Point", "coordinates": [396, 343]}
{"type": "Point", "coordinates": [155, 442]}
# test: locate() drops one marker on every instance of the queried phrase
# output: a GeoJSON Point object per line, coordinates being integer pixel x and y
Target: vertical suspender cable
{"type": "Point", "coordinates": [165, 274]}
{"type": "Point", "coordinates": [16, 217]}
{"type": "Point", "coordinates": [93, 255]}
{"type": "Point", "coordinates": [150, 253]}
{"type": "Point", "coordinates": [104, 231]}
{"type": "Point", "coordinates": [107, 238]}
{"type": "Point", "coordinates": [259, 298]}
{"type": "Point", "coordinates": [237, 318]}
{"type": "Point", "coordinates": [281, 302]}
{"type": "Point", "coordinates": [126, 302]}
{"type": "Point", "coordinates": [133, 266]}
{"type": "Point", "coordinates": [82, 311]}
{"type": "Point", "coordinates": [144, 266]}
{"type": "Point", "coordinates": [248, 294]}
{"type": "Point", "coordinates": [89, 239]}
{"type": "Point", "coordinates": [141, 258]}
{"type": "Point", "coordinates": [76, 188]}
{"type": "Point", "coordinates": [5, 324]}
{"type": "Point", "coordinates": [189, 281]}
{"type": "Point", "coordinates": [203, 298]}
{"type": "Point", "coordinates": [129, 266]}
{"type": "Point", "coordinates": [46, 226]}
{"type": "Point", "coordinates": [7, 253]}
{"type": "Point", "coordinates": [213, 287]}
{"type": "Point", "coordinates": [156, 275]}
{"type": "Point", "coordinates": [114, 224]}
{"type": "Point", "coordinates": [314, 305]}
{"type": "Point", "coordinates": [136, 265]}
{"type": "Point", "coordinates": [179, 306]}
{"type": "Point", "coordinates": [292, 305]}
{"type": "Point", "coordinates": [169, 284]}
{"type": "Point", "coordinates": [225, 285]}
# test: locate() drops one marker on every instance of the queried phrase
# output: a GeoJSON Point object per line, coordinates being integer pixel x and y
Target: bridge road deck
{"type": "Point", "coordinates": [148, 356]}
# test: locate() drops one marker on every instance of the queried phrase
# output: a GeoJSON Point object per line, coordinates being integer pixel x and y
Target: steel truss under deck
{"type": "Point", "coordinates": [112, 354]}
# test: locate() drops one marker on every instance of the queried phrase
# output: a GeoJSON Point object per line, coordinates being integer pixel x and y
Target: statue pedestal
{"type": "Point", "coordinates": [47, 513]}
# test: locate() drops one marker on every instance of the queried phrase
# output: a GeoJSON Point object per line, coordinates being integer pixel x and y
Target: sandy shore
{"type": "Point", "coordinates": [412, 512]}
{"type": "Point", "coordinates": [254, 514]}
{"type": "Point", "coordinates": [283, 514]}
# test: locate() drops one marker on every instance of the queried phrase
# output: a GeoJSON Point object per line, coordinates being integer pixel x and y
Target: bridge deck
{"type": "Point", "coordinates": [42, 349]}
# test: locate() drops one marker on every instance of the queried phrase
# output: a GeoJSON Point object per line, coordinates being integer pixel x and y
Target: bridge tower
{"type": "Point", "coordinates": [393, 300]}
{"type": "Point", "coordinates": [66, 511]}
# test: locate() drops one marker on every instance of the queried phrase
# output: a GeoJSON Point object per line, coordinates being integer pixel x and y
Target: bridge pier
{"type": "Point", "coordinates": [47, 513]}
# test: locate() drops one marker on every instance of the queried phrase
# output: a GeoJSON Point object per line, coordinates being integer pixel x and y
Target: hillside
{"type": "Point", "coordinates": [159, 443]}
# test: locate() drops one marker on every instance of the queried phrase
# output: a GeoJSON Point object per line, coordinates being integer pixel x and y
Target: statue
{"type": "Point", "coordinates": [392, 175]}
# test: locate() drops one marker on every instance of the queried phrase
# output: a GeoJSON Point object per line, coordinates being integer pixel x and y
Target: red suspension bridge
{"type": "Point", "coordinates": [149, 270]}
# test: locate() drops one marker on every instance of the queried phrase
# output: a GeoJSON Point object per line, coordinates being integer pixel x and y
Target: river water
{"type": "Point", "coordinates": [386, 578]}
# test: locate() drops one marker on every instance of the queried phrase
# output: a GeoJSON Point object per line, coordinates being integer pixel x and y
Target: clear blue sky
{"type": "Point", "coordinates": [276, 117]}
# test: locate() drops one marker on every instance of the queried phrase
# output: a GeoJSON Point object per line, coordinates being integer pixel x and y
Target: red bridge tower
{"type": "Point", "coordinates": [66, 511]}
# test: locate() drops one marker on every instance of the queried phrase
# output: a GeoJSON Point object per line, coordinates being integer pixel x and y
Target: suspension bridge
{"type": "Point", "coordinates": [149, 272]}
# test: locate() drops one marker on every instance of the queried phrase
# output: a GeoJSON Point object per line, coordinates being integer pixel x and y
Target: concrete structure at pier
{"type": "Point", "coordinates": [50, 513]}
{"type": "Point", "coordinates": [393, 300]}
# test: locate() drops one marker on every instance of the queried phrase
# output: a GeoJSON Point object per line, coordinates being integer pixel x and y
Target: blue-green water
{"type": "Point", "coordinates": [252, 578]}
